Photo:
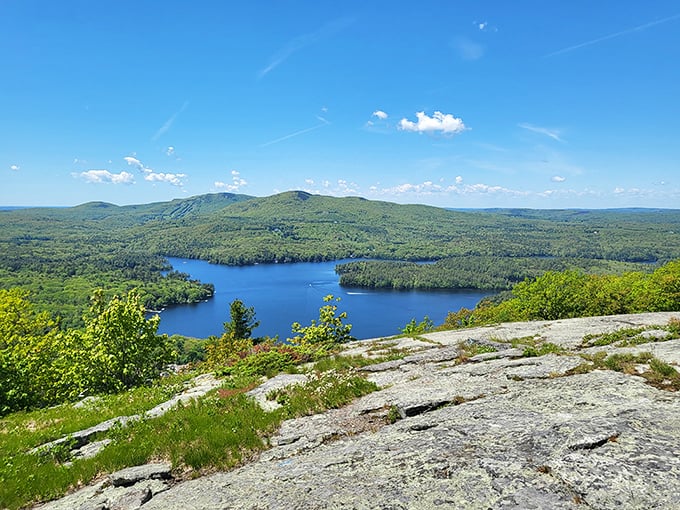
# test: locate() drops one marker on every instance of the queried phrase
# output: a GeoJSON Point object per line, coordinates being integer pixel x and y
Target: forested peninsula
{"type": "Point", "coordinates": [61, 255]}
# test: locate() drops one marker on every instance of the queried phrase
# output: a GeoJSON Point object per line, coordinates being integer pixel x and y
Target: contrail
{"type": "Point", "coordinates": [639, 28]}
{"type": "Point", "coordinates": [301, 42]}
{"type": "Point", "coordinates": [169, 122]}
{"type": "Point", "coordinates": [301, 132]}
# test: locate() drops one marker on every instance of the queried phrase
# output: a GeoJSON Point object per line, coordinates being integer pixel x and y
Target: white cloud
{"type": "Point", "coordinates": [550, 132]}
{"type": "Point", "coordinates": [430, 188]}
{"type": "Point", "coordinates": [14, 167]}
{"type": "Point", "coordinates": [137, 164]}
{"type": "Point", "coordinates": [338, 188]}
{"type": "Point", "coordinates": [170, 151]}
{"type": "Point", "coordinates": [380, 114]}
{"type": "Point", "coordinates": [236, 182]}
{"type": "Point", "coordinates": [439, 122]}
{"type": "Point", "coordinates": [558, 178]}
{"type": "Point", "coordinates": [174, 179]}
{"type": "Point", "coordinates": [106, 177]}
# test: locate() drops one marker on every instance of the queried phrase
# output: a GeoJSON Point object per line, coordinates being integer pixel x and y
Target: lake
{"type": "Point", "coordinates": [285, 293]}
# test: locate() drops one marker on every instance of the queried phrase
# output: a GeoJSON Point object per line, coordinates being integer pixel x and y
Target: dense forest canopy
{"type": "Point", "coordinates": [62, 254]}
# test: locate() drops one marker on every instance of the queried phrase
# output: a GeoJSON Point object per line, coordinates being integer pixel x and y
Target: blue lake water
{"type": "Point", "coordinates": [285, 293]}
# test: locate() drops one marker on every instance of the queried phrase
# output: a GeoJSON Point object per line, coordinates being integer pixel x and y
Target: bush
{"type": "Point", "coordinates": [413, 328]}
{"type": "Point", "coordinates": [329, 330]}
{"type": "Point", "coordinates": [41, 365]}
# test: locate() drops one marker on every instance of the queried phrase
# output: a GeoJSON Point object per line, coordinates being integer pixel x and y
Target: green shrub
{"type": "Point", "coordinates": [328, 331]}
{"type": "Point", "coordinates": [542, 350]}
{"type": "Point", "coordinates": [413, 328]}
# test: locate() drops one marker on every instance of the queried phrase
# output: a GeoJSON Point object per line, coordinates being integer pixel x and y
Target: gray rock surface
{"type": "Point", "coordinates": [128, 489]}
{"type": "Point", "coordinates": [503, 432]}
{"type": "Point", "coordinates": [280, 381]}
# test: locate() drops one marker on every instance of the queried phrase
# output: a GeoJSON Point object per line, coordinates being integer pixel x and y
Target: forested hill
{"type": "Point", "coordinates": [295, 226]}
{"type": "Point", "coordinates": [62, 254]}
{"type": "Point", "coordinates": [127, 215]}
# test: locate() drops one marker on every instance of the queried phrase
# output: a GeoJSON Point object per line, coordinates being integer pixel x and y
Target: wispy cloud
{"type": "Point", "coordinates": [379, 114]}
{"type": "Point", "coordinates": [444, 123]}
{"type": "Point", "coordinates": [550, 132]}
{"type": "Point", "coordinates": [168, 123]}
{"type": "Point", "coordinates": [557, 178]}
{"type": "Point", "coordinates": [301, 42]}
{"type": "Point", "coordinates": [237, 182]}
{"type": "Point", "coordinates": [14, 168]}
{"type": "Point", "coordinates": [170, 151]}
{"type": "Point", "coordinates": [324, 122]}
{"type": "Point", "coordinates": [638, 28]}
{"type": "Point", "coordinates": [106, 177]}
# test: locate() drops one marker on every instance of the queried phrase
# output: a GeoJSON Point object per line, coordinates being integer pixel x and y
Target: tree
{"type": "Point", "coordinates": [27, 349]}
{"type": "Point", "coordinates": [242, 321]}
{"type": "Point", "coordinates": [327, 331]}
{"type": "Point", "coordinates": [553, 295]}
{"type": "Point", "coordinates": [125, 350]}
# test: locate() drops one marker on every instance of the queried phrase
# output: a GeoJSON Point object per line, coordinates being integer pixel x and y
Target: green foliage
{"type": "Point", "coordinates": [42, 365]}
{"type": "Point", "coordinates": [323, 390]}
{"type": "Point", "coordinates": [393, 415]}
{"type": "Point", "coordinates": [268, 363]}
{"type": "Point", "coordinates": [226, 350]}
{"type": "Point", "coordinates": [469, 349]}
{"type": "Point", "coordinates": [124, 350]}
{"type": "Point", "coordinates": [663, 369]}
{"type": "Point", "coordinates": [625, 362]}
{"type": "Point", "coordinates": [467, 271]}
{"type": "Point", "coordinates": [189, 350]}
{"type": "Point", "coordinates": [542, 349]}
{"type": "Point", "coordinates": [620, 335]}
{"type": "Point", "coordinates": [28, 344]}
{"type": "Point", "coordinates": [242, 320]}
{"type": "Point", "coordinates": [569, 294]}
{"type": "Point", "coordinates": [413, 328]}
{"type": "Point", "coordinates": [551, 296]}
{"type": "Point", "coordinates": [344, 362]}
{"type": "Point", "coordinates": [674, 326]}
{"type": "Point", "coordinates": [328, 331]}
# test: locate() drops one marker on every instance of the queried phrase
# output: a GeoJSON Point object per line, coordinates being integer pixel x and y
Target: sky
{"type": "Point", "coordinates": [455, 103]}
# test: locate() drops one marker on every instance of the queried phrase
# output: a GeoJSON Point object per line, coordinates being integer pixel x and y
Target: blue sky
{"type": "Point", "coordinates": [450, 103]}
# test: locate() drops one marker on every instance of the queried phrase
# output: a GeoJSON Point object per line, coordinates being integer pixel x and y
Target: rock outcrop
{"type": "Point", "coordinates": [500, 431]}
